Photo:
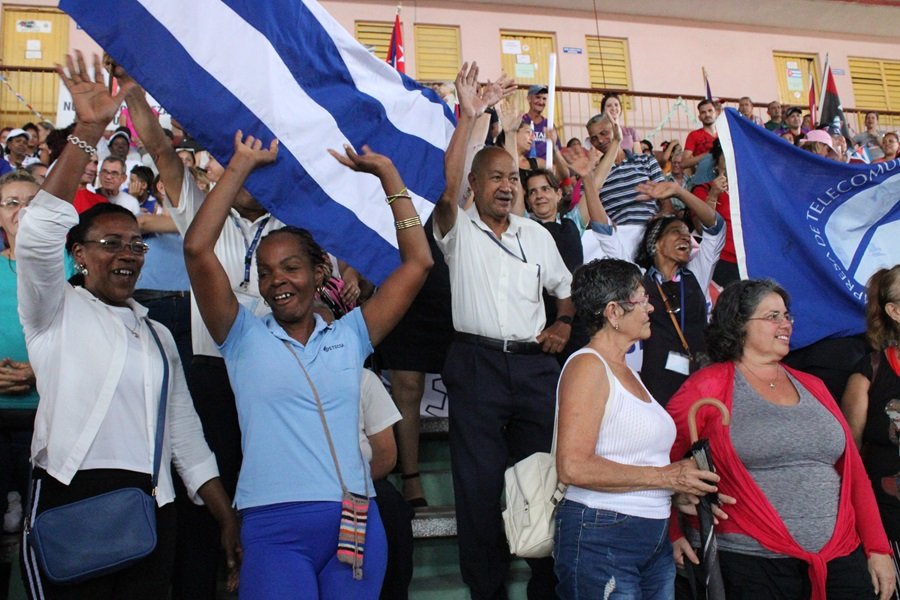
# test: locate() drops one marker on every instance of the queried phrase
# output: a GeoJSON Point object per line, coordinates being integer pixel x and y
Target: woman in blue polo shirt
{"type": "Point", "coordinates": [293, 476]}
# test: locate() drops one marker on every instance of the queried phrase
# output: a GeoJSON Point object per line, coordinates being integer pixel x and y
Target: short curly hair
{"type": "Point", "coordinates": [727, 328]}
{"type": "Point", "coordinates": [600, 282]}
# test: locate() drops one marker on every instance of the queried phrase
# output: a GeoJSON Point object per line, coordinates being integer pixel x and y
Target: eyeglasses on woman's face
{"type": "Point", "coordinates": [115, 246]}
{"type": "Point", "coordinates": [16, 201]}
{"type": "Point", "coordinates": [775, 317]}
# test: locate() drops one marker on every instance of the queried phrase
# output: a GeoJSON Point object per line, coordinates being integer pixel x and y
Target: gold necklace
{"type": "Point", "coordinates": [137, 326]}
{"type": "Point", "coordinates": [772, 383]}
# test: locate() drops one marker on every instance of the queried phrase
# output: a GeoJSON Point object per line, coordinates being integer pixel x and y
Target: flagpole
{"type": "Point", "coordinates": [824, 85]}
{"type": "Point", "coordinates": [551, 107]}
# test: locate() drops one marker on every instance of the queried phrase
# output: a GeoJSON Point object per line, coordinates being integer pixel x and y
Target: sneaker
{"type": "Point", "coordinates": [12, 520]}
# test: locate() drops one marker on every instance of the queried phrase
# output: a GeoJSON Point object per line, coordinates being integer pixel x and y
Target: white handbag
{"type": "Point", "coordinates": [532, 494]}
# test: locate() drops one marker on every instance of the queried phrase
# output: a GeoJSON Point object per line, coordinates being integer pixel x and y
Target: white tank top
{"type": "Point", "coordinates": [632, 432]}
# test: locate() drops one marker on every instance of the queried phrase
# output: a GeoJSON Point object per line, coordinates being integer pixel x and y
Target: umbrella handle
{"type": "Point", "coordinates": [692, 414]}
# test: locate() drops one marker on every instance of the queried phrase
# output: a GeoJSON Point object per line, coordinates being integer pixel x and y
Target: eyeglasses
{"type": "Point", "coordinates": [105, 173]}
{"type": "Point", "coordinates": [775, 317]}
{"type": "Point", "coordinates": [116, 246]}
{"type": "Point", "coordinates": [15, 202]}
{"type": "Point", "coordinates": [642, 301]}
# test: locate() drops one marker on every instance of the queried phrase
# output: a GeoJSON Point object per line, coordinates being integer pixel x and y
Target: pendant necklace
{"type": "Point", "coordinates": [771, 384]}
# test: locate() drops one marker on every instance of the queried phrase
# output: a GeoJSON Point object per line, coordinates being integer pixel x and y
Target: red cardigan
{"type": "Point", "coordinates": [753, 515]}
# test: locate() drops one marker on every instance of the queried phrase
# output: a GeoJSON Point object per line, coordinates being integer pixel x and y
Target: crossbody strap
{"type": "Point", "coordinates": [163, 400]}
{"type": "Point", "coordinates": [337, 466]}
{"type": "Point", "coordinates": [665, 300]}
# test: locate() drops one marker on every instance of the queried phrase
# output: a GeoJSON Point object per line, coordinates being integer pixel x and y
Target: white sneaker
{"type": "Point", "coordinates": [12, 520]}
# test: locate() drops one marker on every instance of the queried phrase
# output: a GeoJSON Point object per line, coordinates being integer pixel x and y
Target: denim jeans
{"type": "Point", "coordinates": [602, 554]}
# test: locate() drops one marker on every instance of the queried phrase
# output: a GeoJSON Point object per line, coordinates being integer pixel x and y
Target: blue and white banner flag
{"type": "Point", "coordinates": [818, 227]}
{"type": "Point", "coordinates": [286, 69]}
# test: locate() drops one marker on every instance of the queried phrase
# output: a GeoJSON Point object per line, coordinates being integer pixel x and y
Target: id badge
{"type": "Point", "coordinates": [678, 363]}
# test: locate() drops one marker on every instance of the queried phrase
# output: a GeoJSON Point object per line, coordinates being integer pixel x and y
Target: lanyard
{"type": "Point", "coordinates": [250, 246]}
{"type": "Point", "coordinates": [522, 258]}
{"type": "Point", "coordinates": [678, 330]}
{"type": "Point", "coordinates": [503, 247]}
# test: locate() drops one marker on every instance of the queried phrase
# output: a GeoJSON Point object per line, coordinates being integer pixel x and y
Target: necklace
{"type": "Point", "coordinates": [137, 326]}
{"type": "Point", "coordinates": [771, 384]}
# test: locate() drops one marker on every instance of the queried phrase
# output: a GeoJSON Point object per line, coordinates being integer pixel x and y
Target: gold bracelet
{"type": "Point", "coordinates": [404, 193]}
{"type": "Point", "coordinates": [407, 223]}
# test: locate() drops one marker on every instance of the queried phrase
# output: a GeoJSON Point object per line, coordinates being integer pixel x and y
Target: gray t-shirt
{"type": "Point", "coordinates": [790, 452]}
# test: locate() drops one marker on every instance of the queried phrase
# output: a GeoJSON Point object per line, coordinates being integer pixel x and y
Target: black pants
{"type": "Point", "coordinates": [198, 553]}
{"type": "Point", "coordinates": [754, 578]}
{"type": "Point", "coordinates": [396, 516]}
{"type": "Point", "coordinates": [501, 408]}
{"type": "Point", "coordinates": [145, 580]}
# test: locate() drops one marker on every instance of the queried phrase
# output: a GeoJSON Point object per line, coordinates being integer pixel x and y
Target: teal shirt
{"type": "Point", "coordinates": [12, 338]}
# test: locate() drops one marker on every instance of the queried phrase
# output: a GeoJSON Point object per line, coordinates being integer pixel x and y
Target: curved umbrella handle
{"type": "Point", "coordinates": [692, 414]}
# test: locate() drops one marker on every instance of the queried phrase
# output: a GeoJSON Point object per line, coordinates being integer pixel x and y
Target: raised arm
{"type": "Point", "coordinates": [146, 123]}
{"type": "Point", "coordinates": [385, 309]}
{"type": "Point", "coordinates": [209, 282]}
{"type": "Point", "coordinates": [667, 189]}
{"type": "Point", "coordinates": [94, 109]}
{"type": "Point", "coordinates": [472, 102]}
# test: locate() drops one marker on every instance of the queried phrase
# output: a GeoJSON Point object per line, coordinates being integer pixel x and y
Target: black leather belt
{"type": "Point", "coordinates": [151, 295]}
{"type": "Point", "coordinates": [507, 346]}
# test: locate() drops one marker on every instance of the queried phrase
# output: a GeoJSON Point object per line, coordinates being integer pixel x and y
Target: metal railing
{"type": "Point", "coordinates": [26, 92]}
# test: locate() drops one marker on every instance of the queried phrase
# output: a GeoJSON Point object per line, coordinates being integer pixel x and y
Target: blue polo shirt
{"type": "Point", "coordinates": [286, 456]}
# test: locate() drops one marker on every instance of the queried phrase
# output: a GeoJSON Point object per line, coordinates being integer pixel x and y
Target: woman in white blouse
{"type": "Point", "coordinates": [100, 372]}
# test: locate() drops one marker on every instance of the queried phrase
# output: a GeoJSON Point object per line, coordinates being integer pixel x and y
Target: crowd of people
{"type": "Point", "coordinates": [142, 272]}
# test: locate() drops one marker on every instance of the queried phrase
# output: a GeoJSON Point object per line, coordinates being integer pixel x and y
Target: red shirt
{"type": "Point", "coordinates": [699, 142]}
{"type": "Point", "coordinates": [85, 199]}
{"type": "Point", "coordinates": [723, 208]}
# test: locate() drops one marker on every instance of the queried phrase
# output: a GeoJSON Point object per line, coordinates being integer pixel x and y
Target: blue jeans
{"type": "Point", "coordinates": [602, 554]}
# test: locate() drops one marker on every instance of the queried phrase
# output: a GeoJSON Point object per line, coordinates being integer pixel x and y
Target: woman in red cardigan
{"type": "Point", "coordinates": [805, 524]}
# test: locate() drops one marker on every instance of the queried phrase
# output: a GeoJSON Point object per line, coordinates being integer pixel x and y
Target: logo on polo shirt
{"type": "Point", "coordinates": [334, 347]}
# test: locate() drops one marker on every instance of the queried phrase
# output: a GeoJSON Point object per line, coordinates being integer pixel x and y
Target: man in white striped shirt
{"type": "Point", "coordinates": [627, 209]}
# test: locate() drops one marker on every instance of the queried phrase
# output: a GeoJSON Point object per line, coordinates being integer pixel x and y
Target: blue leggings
{"type": "Point", "coordinates": [290, 551]}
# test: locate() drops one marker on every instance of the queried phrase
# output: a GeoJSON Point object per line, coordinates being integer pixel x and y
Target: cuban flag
{"type": "Point", "coordinates": [396, 57]}
{"type": "Point", "coordinates": [286, 69]}
{"type": "Point", "coordinates": [818, 227]}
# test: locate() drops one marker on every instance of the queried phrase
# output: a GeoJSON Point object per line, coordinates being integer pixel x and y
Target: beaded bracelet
{"type": "Point", "coordinates": [404, 193]}
{"type": "Point", "coordinates": [80, 143]}
{"type": "Point", "coordinates": [407, 223]}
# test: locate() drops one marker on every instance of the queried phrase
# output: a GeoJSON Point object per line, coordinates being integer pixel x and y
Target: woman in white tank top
{"type": "Point", "coordinates": [613, 451]}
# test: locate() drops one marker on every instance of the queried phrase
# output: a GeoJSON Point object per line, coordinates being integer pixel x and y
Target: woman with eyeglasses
{"type": "Point", "coordinates": [675, 277]}
{"type": "Point", "coordinates": [805, 524]}
{"type": "Point", "coordinates": [871, 399]}
{"type": "Point", "coordinates": [613, 451]}
{"type": "Point", "coordinates": [18, 395]}
{"type": "Point", "coordinates": [103, 368]}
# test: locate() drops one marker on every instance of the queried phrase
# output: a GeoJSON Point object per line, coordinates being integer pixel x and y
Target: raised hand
{"type": "Point", "coordinates": [653, 190]}
{"type": "Point", "coordinates": [367, 162]}
{"type": "Point", "coordinates": [493, 92]}
{"type": "Point", "coordinates": [580, 160]}
{"type": "Point", "coordinates": [93, 103]}
{"type": "Point", "coordinates": [250, 150]}
{"type": "Point", "coordinates": [718, 185]}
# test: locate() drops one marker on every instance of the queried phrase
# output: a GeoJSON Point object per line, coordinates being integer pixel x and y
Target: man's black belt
{"type": "Point", "coordinates": [142, 296]}
{"type": "Point", "coordinates": [508, 346]}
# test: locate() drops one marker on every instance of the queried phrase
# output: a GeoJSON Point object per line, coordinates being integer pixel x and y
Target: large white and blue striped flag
{"type": "Point", "coordinates": [818, 227]}
{"type": "Point", "coordinates": [286, 69]}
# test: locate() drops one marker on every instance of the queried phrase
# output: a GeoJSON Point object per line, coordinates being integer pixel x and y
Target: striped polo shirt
{"type": "Point", "coordinates": [618, 193]}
